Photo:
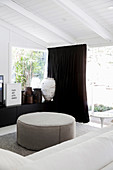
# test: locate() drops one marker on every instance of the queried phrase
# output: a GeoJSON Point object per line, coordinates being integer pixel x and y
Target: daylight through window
{"type": "Point", "coordinates": [28, 67]}
{"type": "Point", "coordinates": [99, 78]}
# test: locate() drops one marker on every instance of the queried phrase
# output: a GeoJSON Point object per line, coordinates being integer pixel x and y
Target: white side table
{"type": "Point", "coordinates": [103, 115]}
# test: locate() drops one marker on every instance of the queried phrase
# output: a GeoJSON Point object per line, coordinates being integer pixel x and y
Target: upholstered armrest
{"type": "Point", "coordinates": [11, 161]}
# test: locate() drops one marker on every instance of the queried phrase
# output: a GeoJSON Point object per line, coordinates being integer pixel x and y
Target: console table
{"type": "Point", "coordinates": [10, 114]}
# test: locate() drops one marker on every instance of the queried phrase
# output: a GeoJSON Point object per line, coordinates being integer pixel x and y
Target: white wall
{"type": "Point", "coordinates": [20, 41]}
{"type": "Point", "coordinates": [4, 41]}
{"type": "Point", "coordinates": [9, 38]}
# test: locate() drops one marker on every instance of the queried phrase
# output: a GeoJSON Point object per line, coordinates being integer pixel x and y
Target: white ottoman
{"type": "Point", "coordinates": [36, 131]}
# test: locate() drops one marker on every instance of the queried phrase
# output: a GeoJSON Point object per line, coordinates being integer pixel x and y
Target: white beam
{"type": "Point", "coordinates": [38, 20]}
{"type": "Point", "coordinates": [73, 9]}
{"type": "Point", "coordinates": [42, 44]}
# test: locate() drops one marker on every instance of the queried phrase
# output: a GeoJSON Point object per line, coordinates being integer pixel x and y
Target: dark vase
{"type": "Point", "coordinates": [23, 97]}
{"type": "Point", "coordinates": [28, 91]}
{"type": "Point", "coordinates": [29, 99]}
{"type": "Point", "coordinates": [37, 95]}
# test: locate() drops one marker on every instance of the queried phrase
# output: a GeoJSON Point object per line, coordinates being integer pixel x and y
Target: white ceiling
{"type": "Point", "coordinates": [61, 22]}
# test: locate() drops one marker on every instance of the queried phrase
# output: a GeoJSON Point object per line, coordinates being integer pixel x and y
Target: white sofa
{"type": "Point", "coordinates": [92, 151]}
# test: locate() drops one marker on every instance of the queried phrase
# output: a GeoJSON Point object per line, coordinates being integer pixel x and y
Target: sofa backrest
{"type": "Point", "coordinates": [93, 154]}
{"type": "Point", "coordinates": [70, 143]}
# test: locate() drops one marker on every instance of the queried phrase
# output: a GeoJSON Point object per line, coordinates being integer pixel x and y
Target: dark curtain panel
{"type": "Point", "coordinates": [67, 65]}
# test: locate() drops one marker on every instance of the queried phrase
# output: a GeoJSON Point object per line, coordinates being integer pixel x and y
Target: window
{"type": "Point", "coordinates": [28, 67]}
{"type": "Point", "coordinates": [99, 77]}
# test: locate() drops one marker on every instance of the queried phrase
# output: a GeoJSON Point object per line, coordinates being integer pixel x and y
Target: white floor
{"type": "Point", "coordinates": [7, 129]}
{"type": "Point", "coordinates": [95, 124]}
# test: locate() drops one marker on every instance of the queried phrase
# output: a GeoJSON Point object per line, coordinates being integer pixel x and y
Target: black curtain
{"type": "Point", "coordinates": [67, 65]}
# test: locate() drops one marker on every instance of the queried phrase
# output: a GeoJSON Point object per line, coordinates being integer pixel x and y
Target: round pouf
{"type": "Point", "coordinates": [36, 131]}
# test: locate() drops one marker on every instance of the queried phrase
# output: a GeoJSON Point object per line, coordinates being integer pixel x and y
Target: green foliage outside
{"type": "Point", "coordinates": [101, 108]}
{"type": "Point", "coordinates": [27, 64]}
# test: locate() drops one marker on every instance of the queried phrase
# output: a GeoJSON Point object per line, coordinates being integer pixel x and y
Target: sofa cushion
{"type": "Point", "coordinates": [91, 155]}
{"type": "Point", "coordinates": [108, 166]}
{"type": "Point", "coordinates": [10, 160]}
{"type": "Point", "coordinates": [68, 144]}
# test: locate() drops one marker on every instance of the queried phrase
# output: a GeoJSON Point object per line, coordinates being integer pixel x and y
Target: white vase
{"type": "Point", "coordinates": [48, 88]}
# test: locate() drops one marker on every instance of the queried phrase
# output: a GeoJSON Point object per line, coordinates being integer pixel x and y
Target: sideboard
{"type": "Point", "coordinates": [10, 114]}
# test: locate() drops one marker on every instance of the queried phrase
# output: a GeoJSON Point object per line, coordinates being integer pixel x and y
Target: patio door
{"type": "Point", "coordinates": [100, 78]}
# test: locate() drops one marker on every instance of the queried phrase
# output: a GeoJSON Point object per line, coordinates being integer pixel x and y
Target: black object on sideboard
{"type": "Point", "coordinates": [10, 114]}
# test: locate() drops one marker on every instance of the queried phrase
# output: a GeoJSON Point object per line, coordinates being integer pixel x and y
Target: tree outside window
{"type": "Point", "coordinates": [28, 65]}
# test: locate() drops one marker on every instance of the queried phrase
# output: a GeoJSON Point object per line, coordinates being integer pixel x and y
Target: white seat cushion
{"type": "Point", "coordinates": [10, 160]}
{"type": "Point", "coordinates": [108, 166]}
